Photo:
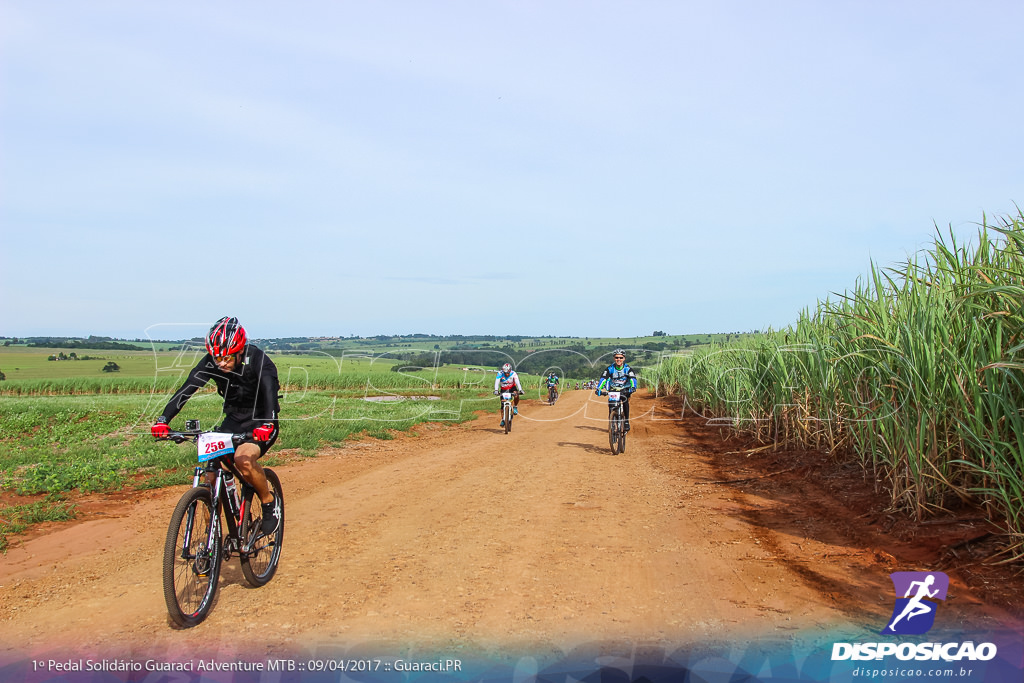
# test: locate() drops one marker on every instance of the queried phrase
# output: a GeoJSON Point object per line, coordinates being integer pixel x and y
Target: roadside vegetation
{"type": "Point", "coordinates": [917, 374]}
{"type": "Point", "coordinates": [67, 426]}
{"type": "Point", "coordinates": [55, 445]}
{"type": "Point", "coordinates": [84, 434]}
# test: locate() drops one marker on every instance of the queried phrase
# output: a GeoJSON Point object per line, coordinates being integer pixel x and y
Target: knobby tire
{"type": "Point", "coordinates": [622, 433]}
{"type": "Point", "coordinates": [191, 572]}
{"type": "Point", "coordinates": [613, 430]}
{"type": "Point", "coordinates": [260, 554]}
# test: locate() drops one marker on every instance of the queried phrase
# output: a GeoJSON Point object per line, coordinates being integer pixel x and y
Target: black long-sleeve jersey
{"type": "Point", "coordinates": [250, 391]}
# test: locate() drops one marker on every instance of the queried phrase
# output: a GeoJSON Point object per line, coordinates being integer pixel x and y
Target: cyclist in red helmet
{"type": "Point", "coordinates": [508, 380]}
{"type": "Point", "coordinates": [247, 379]}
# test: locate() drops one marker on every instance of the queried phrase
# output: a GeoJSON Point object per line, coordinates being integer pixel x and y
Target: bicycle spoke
{"type": "Point", "coordinates": [192, 556]}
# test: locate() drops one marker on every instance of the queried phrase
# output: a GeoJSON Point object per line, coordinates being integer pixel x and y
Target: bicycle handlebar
{"type": "Point", "coordinates": [623, 390]}
{"type": "Point", "coordinates": [193, 434]}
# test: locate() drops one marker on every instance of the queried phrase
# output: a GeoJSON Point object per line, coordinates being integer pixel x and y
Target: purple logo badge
{"type": "Point", "coordinates": [913, 614]}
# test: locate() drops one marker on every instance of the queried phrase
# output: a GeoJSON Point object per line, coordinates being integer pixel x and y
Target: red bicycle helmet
{"type": "Point", "coordinates": [225, 338]}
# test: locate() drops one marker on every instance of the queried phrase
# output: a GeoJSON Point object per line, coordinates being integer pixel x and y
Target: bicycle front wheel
{"type": "Point", "coordinates": [508, 417]}
{"type": "Point", "coordinates": [613, 432]}
{"type": "Point", "coordinates": [261, 552]}
{"type": "Point", "coordinates": [192, 557]}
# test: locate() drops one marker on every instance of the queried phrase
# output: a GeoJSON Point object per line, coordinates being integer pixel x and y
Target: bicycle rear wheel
{"type": "Point", "coordinates": [191, 561]}
{"type": "Point", "coordinates": [261, 552]}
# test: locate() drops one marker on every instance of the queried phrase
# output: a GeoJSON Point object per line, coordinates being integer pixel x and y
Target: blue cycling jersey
{"type": "Point", "coordinates": [617, 379]}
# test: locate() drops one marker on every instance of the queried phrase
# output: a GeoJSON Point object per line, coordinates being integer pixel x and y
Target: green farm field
{"type": "Point", "coordinates": [25, 363]}
{"type": "Point", "coordinates": [56, 446]}
{"type": "Point", "coordinates": [67, 411]}
{"type": "Point", "coordinates": [29, 363]}
{"type": "Point", "coordinates": [66, 427]}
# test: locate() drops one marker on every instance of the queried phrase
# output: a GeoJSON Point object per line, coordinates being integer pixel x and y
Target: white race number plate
{"type": "Point", "coordinates": [213, 445]}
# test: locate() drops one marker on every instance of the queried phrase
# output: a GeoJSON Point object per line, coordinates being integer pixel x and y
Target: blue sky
{"type": "Point", "coordinates": [566, 168]}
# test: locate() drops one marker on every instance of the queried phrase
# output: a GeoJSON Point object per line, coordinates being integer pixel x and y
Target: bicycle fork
{"type": "Point", "coordinates": [211, 536]}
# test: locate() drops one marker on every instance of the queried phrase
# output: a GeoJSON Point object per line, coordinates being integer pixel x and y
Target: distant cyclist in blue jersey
{"type": "Point", "coordinates": [619, 377]}
{"type": "Point", "coordinates": [553, 384]}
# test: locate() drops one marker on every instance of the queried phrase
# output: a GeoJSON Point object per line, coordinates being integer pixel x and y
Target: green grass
{"type": "Point", "coordinates": [16, 518]}
{"type": "Point", "coordinates": [60, 443]}
{"type": "Point", "coordinates": [93, 442]}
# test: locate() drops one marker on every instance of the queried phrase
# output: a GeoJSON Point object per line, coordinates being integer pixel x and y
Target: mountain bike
{"type": "Point", "coordinates": [616, 422]}
{"type": "Point", "coordinates": [197, 539]}
{"type": "Point", "coordinates": [507, 410]}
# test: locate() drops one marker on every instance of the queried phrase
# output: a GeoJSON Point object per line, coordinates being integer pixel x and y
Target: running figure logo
{"type": "Point", "coordinates": [912, 615]}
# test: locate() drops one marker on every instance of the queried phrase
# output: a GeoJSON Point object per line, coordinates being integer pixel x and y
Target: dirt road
{"type": "Point", "coordinates": [461, 536]}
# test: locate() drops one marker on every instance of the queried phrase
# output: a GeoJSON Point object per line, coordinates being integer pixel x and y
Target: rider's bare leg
{"type": "Point", "coordinates": [246, 461]}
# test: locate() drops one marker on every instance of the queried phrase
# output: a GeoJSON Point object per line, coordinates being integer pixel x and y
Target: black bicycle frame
{"type": "Point", "coordinates": [223, 502]}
